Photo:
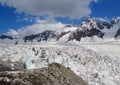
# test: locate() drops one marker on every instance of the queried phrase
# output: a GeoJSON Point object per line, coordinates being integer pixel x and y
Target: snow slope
{"type": "Point", "coordinates": [97, 63]}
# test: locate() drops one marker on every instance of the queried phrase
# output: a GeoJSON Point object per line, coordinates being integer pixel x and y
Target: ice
{"type": "Point", "coordinates": [97, 63]}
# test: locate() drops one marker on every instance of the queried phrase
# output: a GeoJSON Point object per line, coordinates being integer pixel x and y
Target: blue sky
{"type": "Point", "coordinates": [14, 17]}
{"type": "Point", "coordinates": [106, 8]}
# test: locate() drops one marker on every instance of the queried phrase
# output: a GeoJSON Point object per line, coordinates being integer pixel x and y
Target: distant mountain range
{"type": "Point", "coordinates": [89, 28]}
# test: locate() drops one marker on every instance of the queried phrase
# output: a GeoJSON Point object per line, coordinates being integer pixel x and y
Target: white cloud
{"type": "Point", "coordinates": [101, 19]}
{"type": "Point", "coordinates": [12, 33]}
{"type": "Point", "coordinates": [55, 8]}
{"type": "Point", "coordinates": [38, 27]}
{"type": "Point", "coordinates": [25, 18]}
{"type": "Point", "coordinates": [52, 8]}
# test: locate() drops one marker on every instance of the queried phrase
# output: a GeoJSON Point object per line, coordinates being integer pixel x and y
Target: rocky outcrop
{"type": "Point", "coordinates": [54, 74]}
{"type": "Point", "coordinates": [78, 34]}
{"type": "Point", "coordinates": [11, 66]}
{"type": "Point", "coordinates": [5, 37]}
{"type": "Point", "coordinates": [118, 34]}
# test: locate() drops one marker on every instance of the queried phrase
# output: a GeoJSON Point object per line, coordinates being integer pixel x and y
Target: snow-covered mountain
{"type": "Point", "coordinates": [91, 29]}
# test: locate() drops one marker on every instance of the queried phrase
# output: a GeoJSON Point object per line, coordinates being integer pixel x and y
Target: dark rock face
{"type": "Point", "coordinates": [107, 24]}
{"type": "Point", "coordinates": [100, 26]}
{"type": "Point", "coordinates": [44, 36]}
{"type": "Point", "coordinates": [118, 34]}
{"type": "Point", "coordinates": [61, 35]}
{"type": "Point", "coordinates": [5, 66]}
{"type": "Point", "coordinates": [54, 74]}
{"type": "Point", "coordinates": [11, 66]}
{"type": "Point", "coordinates": [5, 37]}
{"type": "Point", "coordinates": [78, 34]}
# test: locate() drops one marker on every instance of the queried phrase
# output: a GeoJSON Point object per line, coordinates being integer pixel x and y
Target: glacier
{"type": "Point", "coordinates": [97, 63]}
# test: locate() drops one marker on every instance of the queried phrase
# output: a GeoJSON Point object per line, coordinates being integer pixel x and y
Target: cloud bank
{"type": "Point", "coordinates": [51, 8]}
{"type": "Point", "coordinates": [38, 27]}
{"type": "Point", "coordinates": [54, 8]}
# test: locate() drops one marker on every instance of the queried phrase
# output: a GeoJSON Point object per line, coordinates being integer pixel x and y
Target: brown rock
{"type": "Point", "coordinates": [54, 74]}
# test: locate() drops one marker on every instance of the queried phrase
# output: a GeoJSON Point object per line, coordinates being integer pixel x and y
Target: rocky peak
{"type": "Point", "coordinates": [88, 23]}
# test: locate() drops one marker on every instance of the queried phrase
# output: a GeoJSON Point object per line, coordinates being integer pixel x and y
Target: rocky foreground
{"type": "Point", "coordinates": [54, 74]}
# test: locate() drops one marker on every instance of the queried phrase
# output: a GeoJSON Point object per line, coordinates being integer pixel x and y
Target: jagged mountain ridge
{"type": "Point", "coordinates": [88, 28]}
{"type": "Point", "coordinates": [44, 36]}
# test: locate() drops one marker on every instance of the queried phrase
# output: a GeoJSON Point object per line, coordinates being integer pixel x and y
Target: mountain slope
{"type": "Point", "coordinates": [44, 36]}
{"type": "Point", "coordinates": [89, 28]}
